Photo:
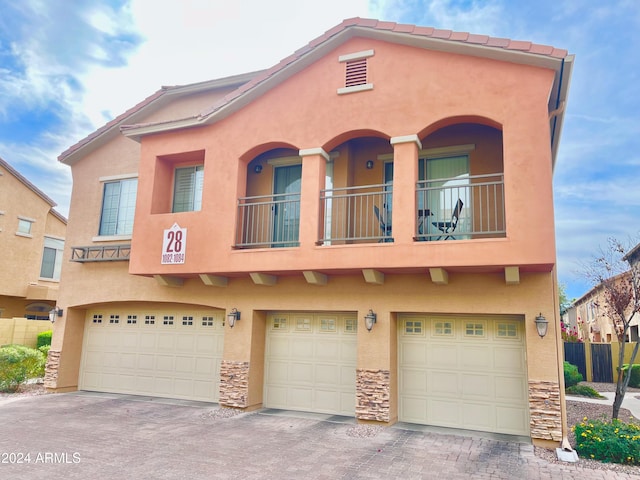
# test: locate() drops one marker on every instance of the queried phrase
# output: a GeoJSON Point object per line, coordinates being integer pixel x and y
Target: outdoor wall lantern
{"type": "Point", "coordinates": [232, 317]}
{"type": "Point", "coordinates": [541, 325]}
{"type": "Point", "coordinates": [54, 313]}
{"type": "Point", "coordinates": [369, 319]}
{"type": "Point", "coordinates": [369, 164]}
{"type": "Point", "coordinates": [257, 168]}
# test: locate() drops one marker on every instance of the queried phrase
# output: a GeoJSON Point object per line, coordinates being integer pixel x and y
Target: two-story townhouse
{"type": "Point", "coordinates": [32, 237]}
{"type": "Point", "coordinates": [365, 229]}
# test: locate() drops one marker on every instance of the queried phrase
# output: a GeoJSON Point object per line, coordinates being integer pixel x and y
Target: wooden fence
{"type": "Point", "coordinates": [597, 362]}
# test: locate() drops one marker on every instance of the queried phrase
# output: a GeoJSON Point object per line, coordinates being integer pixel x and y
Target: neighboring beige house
{"type": "Point", "coordinates": [32, 237]}
{"type": "Point", "coordinates": [589, 317]}
{"type": "Point", "coordinates": [365, 229]}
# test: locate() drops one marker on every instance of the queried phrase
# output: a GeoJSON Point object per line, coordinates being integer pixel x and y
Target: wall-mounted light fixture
{"type": "Point", "coordinates": [54, 313]}
{"type": "Point", "coordinates": [369, 164]}
{"type": "Point", "coordinates": [232, 317]}
{"type": "Point", "coordinates": [541, 325]}
{"type": "Point", "coordinates": [257, 168]}
{"type": "Point", "coordinates": [369, 319]}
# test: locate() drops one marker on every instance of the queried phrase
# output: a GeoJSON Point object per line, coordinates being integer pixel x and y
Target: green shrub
{"type": "Point", "coordinates": [634, 381]}
{"type": "Point", "coordinates": [615, 442]}
{"type": "Point", "coordinates": [44, 338]}
{"type": "Point", "coordinates": [584, 391]}
{"type": "Point", "coordinates": [45, 350]}
{"type": "Point", "coordinates": [17, 364]}
{"type": "Point", "coordinates": [571, 375]}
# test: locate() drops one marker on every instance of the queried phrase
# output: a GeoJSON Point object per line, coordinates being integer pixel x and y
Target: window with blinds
{"type": "Point", "coordinates": [187, 191]}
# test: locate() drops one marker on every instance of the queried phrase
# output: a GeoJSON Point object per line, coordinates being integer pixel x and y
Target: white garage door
{"type": "Point", "coordinates": [467, 373]}
{"type": "Point", "coordinates": [310, 362]}
{"type": "Point", "coordinates": [174, 354]}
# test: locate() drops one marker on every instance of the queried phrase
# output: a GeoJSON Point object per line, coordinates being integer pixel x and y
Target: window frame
{"type": "Point", "coordinates": [192, 198]}
{"type": "Point", "coordinates": [128, 209]}
{"type": "Point", "coordinates": [57, 245]}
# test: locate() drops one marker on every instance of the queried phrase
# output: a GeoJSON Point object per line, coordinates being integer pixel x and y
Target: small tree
{"type": "Point", "coordinates": [619, 301]}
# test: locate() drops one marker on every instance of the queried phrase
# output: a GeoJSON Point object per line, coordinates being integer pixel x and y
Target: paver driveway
{"type": "Point", "coordinates": [99, 437]}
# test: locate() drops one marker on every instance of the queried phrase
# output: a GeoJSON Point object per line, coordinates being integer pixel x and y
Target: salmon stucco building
{"type": "Point", "coordinates": [365, 229]}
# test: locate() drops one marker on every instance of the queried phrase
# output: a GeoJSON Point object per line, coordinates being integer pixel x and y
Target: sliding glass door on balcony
{"type": "Point", "coordinates": [454, 205]}
{"type": "Point", "coordinates": [441, 207]}
{"type": "Point", "coordinates": [286, 217]}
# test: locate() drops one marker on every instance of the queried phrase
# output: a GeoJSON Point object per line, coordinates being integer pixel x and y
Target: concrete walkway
{"type": "Point", "coordinates": [105, 436]}
{"type": "Point", "coordinates": [631, 401]}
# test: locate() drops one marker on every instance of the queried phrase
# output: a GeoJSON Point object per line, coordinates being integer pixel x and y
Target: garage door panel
{"type": "Point", "coordinates": [463, 373]}
{"type": "Point", "coordinates": [510, 389]}
{"type": "Point", "coordinates": [476, 359]}
{"type": "Point", "coordinates": [147, 341]}
{"type": "Point", "coordinates": [443, 383]}
{"type": "Point", "coordinates": [301, 347]}
{"type": "Point", "coordinates": [146, 362]}
{"type": "Point", "coordinates": [184, 364]}
{"type": "Point", "coordinates": [347, 377]}
{"type": "Point", "coordinates": [128, 361]}
{"type": "Point", "coordinates": [326, 350]}
{"type": "Point", "coordinates": [300, 398]}
{"type": "Point", "coordinates": [508, 359]}
{"type": "Point", "coordinates": [166, 342]}
{"type": "Point", "coordinates": [443, 411]}
{"type": "Point", "coordinates": [478, 416]}
{"type": "Point", "coordinates": [151, 358]}
{"type": "Point", "coordinates": [327, 374]}
{"type": "Point", "coordinates": [277, 372]}
{"type": "Point", "coordinates": [442, 356]}
{"type": "Point", "coordinates": [414, 381]}
{"type": "Point", "coordinates": [413, 353]}
{"type": "Point", "coordinates": [301, 373]}
{"type": "Point", "coordinates": [327, 400]}
{"type": "Point", "coordinates": [185, 343]}
{"type": "Point", "coordinates": [512, 420]}
{"type": "Point", "coordinates": [477, 385]}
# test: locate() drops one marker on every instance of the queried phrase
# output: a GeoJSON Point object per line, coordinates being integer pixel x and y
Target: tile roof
{"type": "Point", "coordinates": [462, 38]}
{"type": "Point", "coordinates": [355, 24]}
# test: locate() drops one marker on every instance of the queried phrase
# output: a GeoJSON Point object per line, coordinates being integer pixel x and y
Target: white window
{"type": "Point", "coordinates": [52, 258]}
{"type": "Point", "coordinates": [24, 226]}
{"type": "Point", "coordinates": [118, 207]}
{"type": "Point", "coordinates": [187, 192]}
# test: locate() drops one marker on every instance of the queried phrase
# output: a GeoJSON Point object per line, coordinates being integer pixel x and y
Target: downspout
{"type": "Point", "coordinates": [564, 444]}
{"type": "Point", "coordinates": [557, 110]}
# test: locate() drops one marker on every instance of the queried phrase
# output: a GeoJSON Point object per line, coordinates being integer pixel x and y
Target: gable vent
{"type": "Point", "coordinates": [356, 73]}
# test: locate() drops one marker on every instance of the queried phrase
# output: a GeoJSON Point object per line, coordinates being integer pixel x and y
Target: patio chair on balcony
{"type": "Point", "coordinates": [385, 228]}
{"type": "Point", "coordinates": [447, 228]}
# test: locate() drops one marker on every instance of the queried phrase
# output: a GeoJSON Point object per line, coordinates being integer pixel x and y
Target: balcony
{"type": "Point", "coordinates": [461, 208]}
{"type": "Point", "coordinates": [268, 221]}
{"type": "Point", "coordinates": [102, 253]}
{"type": "Point", "coordinates": [363, 214]}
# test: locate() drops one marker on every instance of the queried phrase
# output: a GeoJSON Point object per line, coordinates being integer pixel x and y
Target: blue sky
{"type": "Point", "coordinates": [69, 66]}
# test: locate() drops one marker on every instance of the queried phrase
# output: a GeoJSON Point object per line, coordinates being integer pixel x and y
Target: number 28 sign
{"type": "Point", "coordinates": [174, 245]}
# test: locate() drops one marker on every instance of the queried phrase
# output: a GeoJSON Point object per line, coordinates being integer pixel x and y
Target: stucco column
{"type": "Point", "coordinates": [63, 361]}
{"type": "Point", "coordinates": [376, 382]}
{"type": "Point", "coordinates": [242, 366]}
{"type": "Point", "coordinates": [314, 166]}
{"type": "Point", "coordinates": [405, 177]}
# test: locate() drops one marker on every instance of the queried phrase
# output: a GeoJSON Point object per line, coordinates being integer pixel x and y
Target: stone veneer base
{"type": "Point", "coordinates": [373, 389]}
{"type": "Point", "coordinates": [546, 410]}
{"type": "Point", "coordinates": [234, 384]}
{"type": "Point", "coordinates": [51, 369]}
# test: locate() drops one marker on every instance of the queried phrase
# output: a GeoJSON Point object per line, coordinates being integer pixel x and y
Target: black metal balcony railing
{"type": "Point", "coordinates": [102, 253]}
{"type": "Point", "coordinates": [268, 221]}
{"type": "Point", "coordinates": [480, 212]}
{"type": "Point", "coordinates": [357, 214]}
